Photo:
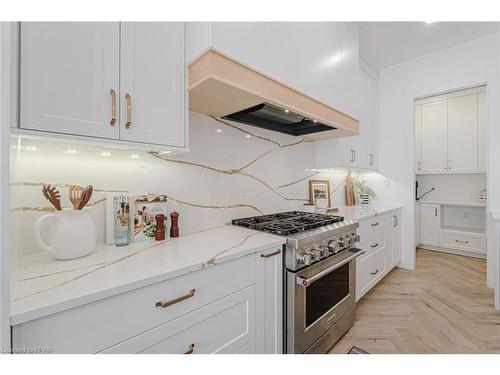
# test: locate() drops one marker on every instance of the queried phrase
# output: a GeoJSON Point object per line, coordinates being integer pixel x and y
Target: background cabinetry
{"type": "Point", "coordinates": [429, 224]}
{"type": "Point", "coordinates": [450, 133]}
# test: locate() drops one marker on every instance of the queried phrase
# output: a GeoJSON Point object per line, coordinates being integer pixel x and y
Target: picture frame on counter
{"type": "Point", "coordinates": [319, 193]}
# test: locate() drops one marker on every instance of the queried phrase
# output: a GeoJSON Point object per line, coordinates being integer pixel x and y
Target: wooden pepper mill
{"type": "Point", "coordinates": [160, 227]}
{"type": "Point", "coordinates": [174, 229]}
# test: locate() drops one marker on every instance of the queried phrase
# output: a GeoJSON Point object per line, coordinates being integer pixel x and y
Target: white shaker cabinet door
{"type": "Point", "coordinates": [433, 132]}
{"type": "Point", "coordinates": [307, 56]}
{"type": "Point", "coordinates": [482, 132]}
{"type": "Point", "coordinates": [350, 71]}
{"type": "Point", "coordinates": [67, 72]}
{"type": "Point", "coordinates": [153, 83]}
{"type": "Point", "coordinates": [429, 224]}
{"type": "Point", "coordinates": [462, 134]}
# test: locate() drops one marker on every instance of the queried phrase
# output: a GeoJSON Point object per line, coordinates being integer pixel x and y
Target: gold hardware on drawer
{"type": "Point", "coordinates": [128, 98]}
{"type": "Point", "coordinates": [176, 300]}
{"type": "Point", "coordinates": [374, 245]}
{"type": "Point", "coordinates": [374, 224]}
{"type": "Point", "coordinates": [465, 242]}
{"type": "Point", "coordinates": [113, 107]}
{"type": "Point", "coordinates": [270, 254]}
{"type": "Point", "coordinates": [374, 272]}
{"type": "Point", "coordinates": [190, 349]}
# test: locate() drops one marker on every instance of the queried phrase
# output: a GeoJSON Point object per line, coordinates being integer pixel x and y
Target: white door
{"type": "Point", "coordinates": [482, 132]}
{"type": "Point", "coordinates": [433, 134]}
{"type": "Point", "coordinates": [153, 86]}
{"type": "Point", "coordinates": [396, 238]}
{"type": "Point", "coordinates": [429, 224]}
{"type": "Point", "coordinates": [244, 41]}
{"type": "Point", "coordinates": [67, 72]}
{"type": "Point", "coordinates": [462, 134]}
{"type": "Point", "coordinates": [418, 139]}
{"type": "Point", "coordinates": [270, 301]}
{"type": "Point", "coordinates": [308, 57]}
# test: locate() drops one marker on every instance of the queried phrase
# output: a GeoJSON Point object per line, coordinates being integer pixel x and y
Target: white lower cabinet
{"type": "Point", "coordinates": [231, 307]}
{"type": "Point", "coordinates": [380, 238]}
{"type": "Point", "coordinates": [429, 224]}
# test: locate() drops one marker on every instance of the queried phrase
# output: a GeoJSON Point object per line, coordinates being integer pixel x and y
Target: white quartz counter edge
{"type": "Point", "coordinates": [360, 213]}
{"type": "Point", "coordinates": [66, 289]}
{"type": "Point", "coordinates": [452, 203]}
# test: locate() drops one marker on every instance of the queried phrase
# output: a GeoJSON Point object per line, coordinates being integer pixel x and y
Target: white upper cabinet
{"type": "Point", "coordinates": [152, 100]}
{"type": "Point", "coordinates": [433, 135]}
{"type": "Point", "coordinates": [450, 133]}
{"type": "Point", "coordinates": [308, 57]}
{"type": "Point", "coordinates": [67, 72]}
{"type": "Point", "coordinates": [91, 79]}
{"type": "Point", "coordinates": [350, 71]}
{"type": "Point", "coordinates": [243, 41]}
{"type": "Point", "coordinates": [462, 134]}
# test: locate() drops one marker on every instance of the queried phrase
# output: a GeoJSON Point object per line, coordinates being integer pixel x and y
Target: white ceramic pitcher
{"type": "Point", "coordinates": [72, 234]}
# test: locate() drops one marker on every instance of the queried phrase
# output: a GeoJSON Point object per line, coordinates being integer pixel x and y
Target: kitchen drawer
{"type": "Point", "coordinates": [95, 326]}
{"type": "Point", "coordinates": [369, 226]}
{"type": "Point", "coordinates": [369, 271]}
{"type": "Point", "coordinates": [372, 243]}
{"type": "Point", "coordinates": [462, 241]}
{"type": "Point", "coordinates": [224, 326]}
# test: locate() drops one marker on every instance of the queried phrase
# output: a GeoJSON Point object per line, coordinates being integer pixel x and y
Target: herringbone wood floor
{"type": "Point", "coordinates": [443, 306]}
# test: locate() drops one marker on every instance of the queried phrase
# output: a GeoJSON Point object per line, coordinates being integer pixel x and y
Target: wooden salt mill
{"type": "Point", "coordinates": [160, 227]}
{"type": "Point", "coordinates": [174, 229]}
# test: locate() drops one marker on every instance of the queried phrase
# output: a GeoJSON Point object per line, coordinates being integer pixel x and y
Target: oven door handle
{"type": "Point", "coordinates": [305, 282]}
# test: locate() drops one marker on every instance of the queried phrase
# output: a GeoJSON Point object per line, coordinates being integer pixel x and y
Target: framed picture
{"type": "Point", "coordinates": [319, 193]}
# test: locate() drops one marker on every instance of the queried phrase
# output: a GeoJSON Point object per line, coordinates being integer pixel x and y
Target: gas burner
{"type": "Point", "coordinates": [286, 223]}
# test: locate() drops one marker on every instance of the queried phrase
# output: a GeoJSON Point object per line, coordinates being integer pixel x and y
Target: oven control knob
{"type": "Point", "coordinates": [333, 246]}
{"type": "Point", "coordinates": [344, 242]}
{"type": "Point", "coordinates": [316, 254]}
{"type": "Point", "coordinates": [304, 259]}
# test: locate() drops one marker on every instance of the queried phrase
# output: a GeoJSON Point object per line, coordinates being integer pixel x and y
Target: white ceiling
{"type": "Point", "coordinates": [387, 43]}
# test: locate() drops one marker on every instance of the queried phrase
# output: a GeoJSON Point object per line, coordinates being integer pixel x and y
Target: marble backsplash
{"type": "Point", "coordinates": [232, 171]}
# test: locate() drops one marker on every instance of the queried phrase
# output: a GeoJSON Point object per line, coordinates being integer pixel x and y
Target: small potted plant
{"type": "Point", "coordinates": [363, 191]}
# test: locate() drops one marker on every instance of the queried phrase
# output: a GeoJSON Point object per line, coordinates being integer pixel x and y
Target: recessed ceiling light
{"type": "Point", "coordinates": [134, 156]}
{"type": "Point", "coordinates": [429, 22]}
{"type": "Point", "coordinates": [219, 130]}
{"type": "Point", "coordinates": [105, 153]}
{"type": "Point", "coordinates": [70, 151]}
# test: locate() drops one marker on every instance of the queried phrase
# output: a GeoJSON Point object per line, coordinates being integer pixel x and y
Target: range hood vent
{"type": "Point", "coordinates": [222, 87]}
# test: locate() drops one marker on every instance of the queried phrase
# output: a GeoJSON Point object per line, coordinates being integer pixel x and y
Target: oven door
{"type": "Point", "coordinates": [318, 296]}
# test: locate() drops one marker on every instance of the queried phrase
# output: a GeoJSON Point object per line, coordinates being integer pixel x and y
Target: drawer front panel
{"type": "Point", "coordinates": [369, 226]}
{"type": "Point", "coordinates": [372, 243]}
{"type": "Point", "coordinates": [224, 326]}
{"type": "Point", "coordinates": [369, 271]}
{"type": "Point", "coordinates": [466, 242]}
{"type": "Point", "coordinates": [93, 327]}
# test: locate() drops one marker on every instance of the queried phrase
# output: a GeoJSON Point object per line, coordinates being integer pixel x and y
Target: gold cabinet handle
{"type": "Point", "coordinates": [128, 98]}
{"type": "Point", "coordinates": [270, 254]}
{"type": "Point", "coordinates": [113, 107]}
{"type": "Point", "coordinates": [374, 245]}
{"type": "Point", "coordinates": [176, 300]}
{"type": "Point", "coordinates": [190, 349]}
{"type": "Point", "coordinates": [374, 224]}
{"type": "Point", "coordinates": [374, 272]}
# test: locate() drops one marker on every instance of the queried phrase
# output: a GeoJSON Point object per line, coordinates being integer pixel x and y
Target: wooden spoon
{"type": "Point", "coordinates": [87, 193]}
{"type": "Point", "coordinates": [75, 195]}
{"type": "Point", "coordinates": [52, 195]}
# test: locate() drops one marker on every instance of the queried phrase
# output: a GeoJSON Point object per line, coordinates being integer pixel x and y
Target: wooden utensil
{"type": "Point", "coordinates": [87, 193]}
{"type": "Point", "coordinates": [75, 195]}
{"type": "Point", "coordinates": [349, 190]}
{"type": "Point", "coordinates": [52, 195]}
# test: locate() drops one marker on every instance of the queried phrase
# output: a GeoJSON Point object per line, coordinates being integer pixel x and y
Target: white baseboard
{"type": "Point", "coordinates": [452, 251]}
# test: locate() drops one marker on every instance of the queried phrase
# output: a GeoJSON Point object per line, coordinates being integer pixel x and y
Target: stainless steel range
{"type": "Point", "coordinates": [320, 275]}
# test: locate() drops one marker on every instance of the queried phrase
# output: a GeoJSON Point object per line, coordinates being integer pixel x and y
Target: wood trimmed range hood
{"type": "Point", "coordinates": [225, 88]}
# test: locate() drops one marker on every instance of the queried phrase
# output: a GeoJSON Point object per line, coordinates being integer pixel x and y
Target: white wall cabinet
{"type": "Point", "coordinates": [96, 81]}
{"type": "Point", "coordinates": [234, 306]}
{"type": "Point", "coordinates": [429, 224]}
{"type": "Point", "coordinates": [450, 133]}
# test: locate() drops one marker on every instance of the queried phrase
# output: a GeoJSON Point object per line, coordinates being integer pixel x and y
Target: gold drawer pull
{"type": "Point", "coordinates": [176, 300]}
{"type": "Point", "coordinates": [128, 98]}
{"type": "Point", "coordinates": [374, 272]}
{"type": "Point", "coordinates": [375, 224]}
{"type": "Point", "coordinates": [190, 349]}
{"type": "Point", "coordinates": [466, 242]}
{"type": "Point", "coordinates": [374, 245]}
{"type": "Point", "coordinates": [270, 254]}
{"type": "Point", "coordinates": [113, 107]}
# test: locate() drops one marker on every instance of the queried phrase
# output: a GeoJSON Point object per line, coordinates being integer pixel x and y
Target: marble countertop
{"type": "Point", "coordinates": [42, 285]}
{"type": "Point", "coordinates": [477, 203]}
{"type": "Point", "coordinates": [358, 213]}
